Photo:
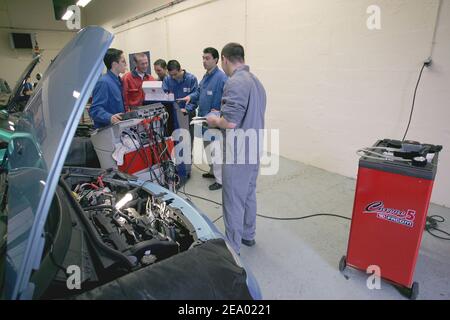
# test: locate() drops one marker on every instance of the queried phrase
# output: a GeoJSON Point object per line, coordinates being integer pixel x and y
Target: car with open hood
{"type": "Point", "coordinates": [87, 233]}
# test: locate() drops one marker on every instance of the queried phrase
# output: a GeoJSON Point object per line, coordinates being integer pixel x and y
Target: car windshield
{"type": "Point", "coordinates": [19, 84]}
{"type": "Point", "coordinates": [38, 147]}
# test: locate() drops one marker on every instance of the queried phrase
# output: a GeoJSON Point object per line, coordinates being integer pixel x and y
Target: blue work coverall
{"type": "Point", "coordinates": [244, 104]}
{"type": "Point", "coordinates": [107, 100]}
{"type": "Point", "coordinates": [209, 96]}
{"type": "Point", "coordinates": [180, 89]}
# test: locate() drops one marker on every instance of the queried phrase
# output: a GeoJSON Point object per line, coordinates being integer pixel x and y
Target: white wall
{"type": "Point", "coordinates": [110, 12]}
{"type": "Point", "coordinates": [31, 17]}
{"type": "Point", "coordinates": [333, 85]}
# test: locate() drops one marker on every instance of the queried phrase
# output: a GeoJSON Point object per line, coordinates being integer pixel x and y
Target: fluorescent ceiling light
{"type": "Point", "coordinates": [83, 3]}
{"type": "Point", "coordinates": [67, 15]}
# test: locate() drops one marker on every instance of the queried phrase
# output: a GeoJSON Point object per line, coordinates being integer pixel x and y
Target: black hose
{"type": "Point", "coordinates": [100, 207]}
{"type": "Point", "coordinates": [139, 205]}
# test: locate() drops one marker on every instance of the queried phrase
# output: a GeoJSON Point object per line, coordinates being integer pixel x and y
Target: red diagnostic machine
{"type": "Point", "coordinates": [393, 191]}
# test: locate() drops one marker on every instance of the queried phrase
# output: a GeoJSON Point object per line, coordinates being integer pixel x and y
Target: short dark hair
{"type": "Point", "coordinates": [112, 55]}
{"type": "Point", "coordinates": [173, 65]}
{"type": "Point", "coordinates": [212, 51]}
{"type": "Point", "coordinates": [234, 52]}
{"type": "Point", "coordinates": [161, 62]}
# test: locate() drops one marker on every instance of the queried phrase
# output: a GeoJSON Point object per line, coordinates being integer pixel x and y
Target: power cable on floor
{"type": "Point", "coordinates": [200, 169]}
{"type": "Point", "coordinates": [198, 197]}
{"type": "Point", "coordinates": [432, 223]}
{"type": "Point", "coordinates": [306, 217]}
{"type": "Point", "coordinates": [269, 217]}
{"type": "Point", "coordinates": [184, 191]}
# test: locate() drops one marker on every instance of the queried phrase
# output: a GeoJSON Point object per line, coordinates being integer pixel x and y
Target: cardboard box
{"type": "Point", "coordinates": [154, 92]}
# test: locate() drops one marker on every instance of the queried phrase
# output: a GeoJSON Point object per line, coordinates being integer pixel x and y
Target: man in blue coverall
{"type": "Point", "coordinates": [209, 98]}
{"type": "Point", "coordinates": [107, 100]}
{"type": "Point", "coordinates": [182, 83]}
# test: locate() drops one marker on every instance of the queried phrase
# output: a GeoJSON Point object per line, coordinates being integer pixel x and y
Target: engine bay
{"type": "Point", "coordinates": [131, 220]}
{"type": "Point", "coordinates": [116, 228]}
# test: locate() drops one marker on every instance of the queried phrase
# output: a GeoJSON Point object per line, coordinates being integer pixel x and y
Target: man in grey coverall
{"type": "Point", "coordinates": [243, 107]}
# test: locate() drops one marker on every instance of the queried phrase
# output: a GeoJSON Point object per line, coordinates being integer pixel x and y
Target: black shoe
{"type": "Point", "coordinates": [208, 175]}
{"type": "Point", "coordinates": [215, 186]}
{"type": "Point", "coordinates": [248, 243]}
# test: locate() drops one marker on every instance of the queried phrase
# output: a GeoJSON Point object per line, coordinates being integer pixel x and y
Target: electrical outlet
{"type": "Point", "coordinates": [428, 62]}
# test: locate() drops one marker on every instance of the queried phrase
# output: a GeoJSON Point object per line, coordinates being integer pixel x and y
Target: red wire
{"type": "Point", "coordinates": [100, 182]}
{"type": "Point", "coordinates": [94, 186]}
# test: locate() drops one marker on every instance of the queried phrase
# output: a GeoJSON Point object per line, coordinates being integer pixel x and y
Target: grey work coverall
{"type": "Point", "coordinates": [244, 104]}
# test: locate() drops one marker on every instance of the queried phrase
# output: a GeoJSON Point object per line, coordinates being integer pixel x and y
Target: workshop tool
{"type": "Point", "coordinates": [393, 191]}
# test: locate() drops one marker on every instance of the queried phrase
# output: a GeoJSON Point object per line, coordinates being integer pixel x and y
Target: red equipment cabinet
{"type": "Point", "coordinates": [389, 217]}
{"type": "Point", "coordinates": [136, 161]}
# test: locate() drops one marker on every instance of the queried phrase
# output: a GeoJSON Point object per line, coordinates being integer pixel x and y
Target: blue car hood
{"type": "Point", "coordinates": [38, 145]}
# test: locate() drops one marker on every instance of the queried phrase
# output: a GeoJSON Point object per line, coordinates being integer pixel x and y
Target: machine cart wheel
{"type": "Point", "coordinates": [342, 263]}
{"type": "Point", "coordinates": [414, 291]}
{"type": "Point", "coordinates": [411, 293]}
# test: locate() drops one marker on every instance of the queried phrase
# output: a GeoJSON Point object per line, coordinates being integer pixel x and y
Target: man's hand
{"type": "Point", "coordinates": [183, 110]}
{"type": "Point", "coordinates": [186, 99]}
{"type": "Point", "coordinates": [116, 118]}
{"type": "Point", "coordinates": [219, 122]}
{"type": "Point", "coordinates": [212, 120]}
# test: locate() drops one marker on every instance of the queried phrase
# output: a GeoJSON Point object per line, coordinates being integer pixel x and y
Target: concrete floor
{"type": "Point", "coordinates": [299, 259]}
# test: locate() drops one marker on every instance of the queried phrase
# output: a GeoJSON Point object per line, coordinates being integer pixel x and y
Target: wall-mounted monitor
{"type": "Point", "coordinates": [22, 40]}
{"type": "Point", "coordinates": [60, 7]}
